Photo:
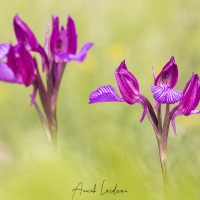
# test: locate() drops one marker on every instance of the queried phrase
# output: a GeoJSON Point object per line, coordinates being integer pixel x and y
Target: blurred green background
{"type": "Point", "coordinates": [102, 141]}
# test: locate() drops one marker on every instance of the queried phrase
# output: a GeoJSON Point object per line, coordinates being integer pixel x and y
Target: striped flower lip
{"type": "Point", "coordinates": [163, 94]}
{"type": "Point", "coordinates": [129, 89]}
{"type": "Point", "coordinates": [105, 94]}
{"type": "Point", "coordinates": [128, 86]}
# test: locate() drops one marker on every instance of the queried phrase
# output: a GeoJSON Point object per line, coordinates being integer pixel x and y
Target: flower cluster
{"type": "Point", "coordinates": [17, 65]}
{"type": "Point", "coordinates": [162, 90]}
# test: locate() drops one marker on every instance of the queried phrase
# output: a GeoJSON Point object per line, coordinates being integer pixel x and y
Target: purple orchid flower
{"type": "Point", "coordinates": [25, 35]}
{"type": "Point", "coordinates": [129, 89]}
{"type": "Point", "coordinates": [164, 94]}
{"type": "Point", "coordinates": [165, 82]}
{"type": "Point", "coordinates": [20, 66]}
{"type": "Point", "coordinates": [4, 49]}
{"type": "Point", "coordinates": [63, 42]}
{"type": "Point", "coordinates": [128, 86]}
{"type": "Point", "coordinates": [189, 102]}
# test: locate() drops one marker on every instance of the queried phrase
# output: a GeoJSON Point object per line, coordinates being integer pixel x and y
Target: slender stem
{"type": "Point", "coordinates": [53, 129]}
{"type": "Point", "coordinates": [53, 80]}
{"type": "Point", "coordinates": [163, 151]}
{"type": "Point", "coordinates": [159, 115]}
{"type": "Point", "coordinates": [163, 162]}
{"type": "Point", "coordinates": [162, 135]}
{"type": "Point", "coordinates": [151, 116]}
{"type": "Point", "coordinates": [44, 122]}
{"type": "Point", "coordinates": [49, 108]}
{"type": "Point", "coordinates": [166, 124]}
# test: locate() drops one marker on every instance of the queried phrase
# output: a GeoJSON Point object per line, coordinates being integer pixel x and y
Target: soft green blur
{"type": "Point", "coordinates": [102, 141]}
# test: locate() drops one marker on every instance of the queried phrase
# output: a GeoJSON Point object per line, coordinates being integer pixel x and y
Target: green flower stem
{"type": "Point", "coordinates": [161, 133]}
{"type": "Point", "coordinates": [44, 122]}
{"type": "Point", "coordinates": [162, 145]}
{"type": "Point", "coordinates": [53, 129]}
{"type": "Point", "coordinates": [48, 119]}
{"type": "Point", "coordinates": [163, 162]}
{"type": "Point", "coordinates": [159, 115]}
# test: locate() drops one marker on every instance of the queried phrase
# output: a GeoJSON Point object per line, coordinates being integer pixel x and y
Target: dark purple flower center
{"type": "Point", "coordinates": [62, 42]}
{"type": "Point", "coordinates": [59, 45]}
{"type": "Point", "coordinates": [165, 77]}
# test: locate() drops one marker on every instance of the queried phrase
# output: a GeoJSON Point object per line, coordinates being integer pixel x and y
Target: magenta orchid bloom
{"type": "Point", "coordinates": [129, 89]}
{"type": "Point", "coordinates": [63, 42]}
{"type": "Point", "coordinates": [18, 66]}
{"type": "Point", "coordinates": [128, 86]}
{"type": "Point", "coordinates": [190, 100]}
{"type": "Point", "coordinates": [163, 93]}
{"type": "Point", "coordinates": [25, 35]}
{"type": "Point", "coordinates": [4, 48]}
{"type": "Point", "coordinates": [15, 70]}
{"type": "Point", "coordinates": [165, 82]}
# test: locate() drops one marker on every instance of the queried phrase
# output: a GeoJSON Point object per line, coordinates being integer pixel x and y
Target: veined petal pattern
{"type": "Point", "coordinates": [163, 94]}
{"type": "Point", "coordinates": [105, 94]}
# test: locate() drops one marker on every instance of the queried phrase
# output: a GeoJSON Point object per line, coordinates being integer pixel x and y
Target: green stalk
{"type": "Point", "coordinates": [163, 152]}
{"type": "Point", "coordinates": [49, 121]}
{"type": "Point", "coordinates": [163, 162]}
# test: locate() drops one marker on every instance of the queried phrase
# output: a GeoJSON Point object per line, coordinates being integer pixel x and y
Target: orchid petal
{"type": "Point", "coordinates": [4, 49]}
{"type": "Point", "coordinates": [163, 94]}
{"type": "Point", "coordinates": [54, 34]}
{"type": "Point", "coordinates": [7, 75]}
{"type": "Point", "coordinates": [179, 113]}
{"type": "Point", "coordinates": [105, 94]}
{"type": "Point", "coordinates": [65, 57]}
{"type": "Point", "coordinates": [176, 114]}
{"type": "Point", "coordinates": [47, 38]}
{"type": "Point", "coordinates": [21, 64]}
{"type": "Point", "coordinates": [72, 36]}
{"type": "Point", "coordinates": [145, 109]}
{"type": "Point", "coordinates": [27, 66]}
{"type": "Point", "coordinates": [190, 99]}
{"type": "Point", "coordinates": [24, 34]}
{"type": "Point", "coordinates": [127, 83]}
{"type": "Point", "coordinates": [169, 75]}
{"type": "Point", "coordinates": [80, 57]}
{"type": "Point", "coordinates": [12, 61]}
{"type": "Point", "coordinates": [154, 74]}
{"type": "Point", "coordinates": [195, 112]}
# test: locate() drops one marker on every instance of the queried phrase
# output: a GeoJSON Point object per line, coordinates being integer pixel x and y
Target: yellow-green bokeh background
{"type": "Point", "coordinates": [102, 141]}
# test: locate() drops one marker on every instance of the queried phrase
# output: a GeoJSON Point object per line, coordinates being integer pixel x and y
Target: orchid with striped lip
{"type": "Point", "coordinates": [165, 82]}
{"type": "Point", "coordinates": [128, 86]}
{"type": "Point", "coordinates": [129, 89]}
{"type": "Point", "coordinates": [163, 93]}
